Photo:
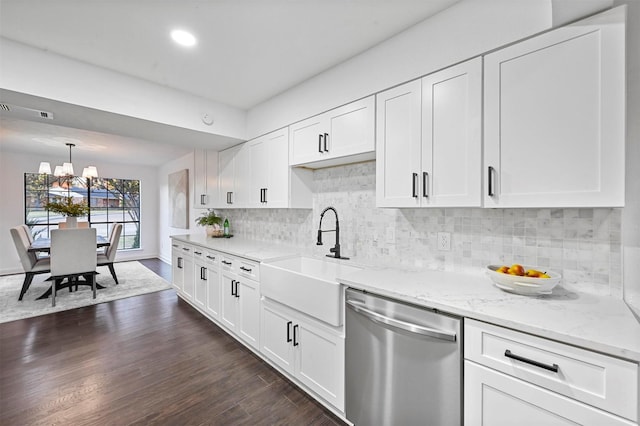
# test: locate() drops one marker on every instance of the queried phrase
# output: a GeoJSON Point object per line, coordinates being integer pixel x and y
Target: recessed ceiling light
{"type": "Point", "coordinates": [183, 38]}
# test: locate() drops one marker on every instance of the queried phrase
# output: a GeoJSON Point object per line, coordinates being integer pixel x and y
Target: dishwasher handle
{"type": "Point", "coordinates": [402, 325]}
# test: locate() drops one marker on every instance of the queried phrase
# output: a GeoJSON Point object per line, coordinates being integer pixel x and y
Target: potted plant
{"type": "Point", "coordinates": [67, 207]}
{"type": "Point", "coordinates": [211, 221]}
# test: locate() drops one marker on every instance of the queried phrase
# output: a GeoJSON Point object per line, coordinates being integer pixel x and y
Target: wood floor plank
{"type": "Point", "coordinates": [150, 359]}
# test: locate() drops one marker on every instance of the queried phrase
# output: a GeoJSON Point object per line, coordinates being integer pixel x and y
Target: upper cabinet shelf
{"type": "Point", "coordinates": [554, 117]}
{"type": "Point", "coordinates": [340, 136]}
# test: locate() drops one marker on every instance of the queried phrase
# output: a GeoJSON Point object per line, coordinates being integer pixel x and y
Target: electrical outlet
{"type": "Point", "coordinates": [391, 235]}
{"type": "Point", "coordinates": [444, 241]}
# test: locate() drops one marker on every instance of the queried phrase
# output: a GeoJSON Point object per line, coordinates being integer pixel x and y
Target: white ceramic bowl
{"type": "Point", "coordinates": [524, 285]}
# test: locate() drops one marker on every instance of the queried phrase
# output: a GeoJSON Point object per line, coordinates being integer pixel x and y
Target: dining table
{"type": "Point", "coordinates": [43, 245]}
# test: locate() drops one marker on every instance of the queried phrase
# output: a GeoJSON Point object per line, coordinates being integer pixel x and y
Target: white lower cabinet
{"type": "Point", "coordinates": [182, 269]}
{"type": "Point", "coordinates": [212, 277]}
{"type": "Point", "coordinates": [240, 297]}
{"type": "Point", "coordinates": [306, 349]}
{"type": "Point", "coordinates": [515, 378]}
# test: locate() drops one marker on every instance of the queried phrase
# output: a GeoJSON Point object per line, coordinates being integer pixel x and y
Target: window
{"type": "Point", "coordinates": [110, 201]}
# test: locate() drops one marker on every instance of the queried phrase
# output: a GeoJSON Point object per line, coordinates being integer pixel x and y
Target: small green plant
{"type": "Point", "coordinates": [209, 219]}
{"type": "Point", "coordinates": [67, 207]}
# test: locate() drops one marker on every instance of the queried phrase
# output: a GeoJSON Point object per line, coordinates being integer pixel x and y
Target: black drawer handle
{"type": "Point", "coordinates": [245, 269]}
{"type": "Point", "coordinates": [185, 249]}
{"type": "Point", "coordinates": [226, 263]}
{"type": "Point", "coordinates": [490, 171]}
{"type": "Point", "coordinates": [198, 252]}
{"type": "Point", "coordinates": [211, 257]}
{"type": "Point", "coordinates": [553, 367]}
{"type": "Point", "coordinates": [289, 331]}
{"type": "Point", "coordinates": [174, 245]}
{"type": "Point", "coordinates": [295, 335]}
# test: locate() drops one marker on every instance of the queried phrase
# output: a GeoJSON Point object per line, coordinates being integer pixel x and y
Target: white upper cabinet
{"type": "Point", "coordinates": [429, 150]}
{"type": "Point", "coordinates": [273, 184]}
{"type": "Point", "coordinates": [205, 180]}
{"type": "Point", "coordinates": [233, 175]}
{"type": "Point", "coordinates": [340, 136]}
{"type": "Point", "coordinates": [554, 117]}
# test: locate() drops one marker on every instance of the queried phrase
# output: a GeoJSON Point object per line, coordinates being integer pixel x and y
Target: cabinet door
{"type": "Point", "coordinates": [229, 308]}
{"type": "Point", "coordinates": [189, 278]}
{"type": "Point", "coordinates": [241, 177]}
{"type": "Point", "coordinates": [351, 129]}
{"type": "Point", "coordinates": [452, 136]}
{"type": "Point", "coordinates": [554, 117]}
{"type": "Point", "coordinates": [199, 178]}
{"type": "Point", "coordinates": [201, 284]}
{"type": "Point", "coordinates": [226, 174]}
{"type": "Point", "coordinates": [399, 147]}
{"type": "Point", "coordinates": [276, 338]}
{"type": "Point", "coordinates": [177, 274]}
{"type": "Point", "coordinates": [249, 312]}
{"type": "Point", "coordinates": [306, 139]}
{"type": "Point", "coordinates": [495, 399]}
{"type": "Point", "coordinates": [277, 153]}
{"type": "Point", "coordinates": [213, 292]}
{"type": "Point", "coordinates": [212, 193]}
{"type": "Point", "coordinates": [258, 170]}
{"type": "Point", "coordinates": [320, 362]}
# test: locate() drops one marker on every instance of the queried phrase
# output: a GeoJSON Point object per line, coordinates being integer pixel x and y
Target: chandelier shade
{"type": "Point", "coordinates": [67, 168]}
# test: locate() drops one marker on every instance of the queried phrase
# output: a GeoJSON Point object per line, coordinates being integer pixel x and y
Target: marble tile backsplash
{"type": "Point", "coordinates": [584, 245]}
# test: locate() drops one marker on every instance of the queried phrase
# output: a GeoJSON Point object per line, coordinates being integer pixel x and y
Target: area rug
{"type": "Point", "coordinates": [134, 278]}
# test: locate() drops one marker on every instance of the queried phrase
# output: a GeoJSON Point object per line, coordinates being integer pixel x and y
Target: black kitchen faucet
{"type": "Point", "coordinates": [336, 248]}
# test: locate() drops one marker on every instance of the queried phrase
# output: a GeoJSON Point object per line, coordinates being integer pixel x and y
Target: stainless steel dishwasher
{"type": "Point", "coordinates": [403, 363]}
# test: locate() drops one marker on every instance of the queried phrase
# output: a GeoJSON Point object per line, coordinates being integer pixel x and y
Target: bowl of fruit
{"type": "Point", "coordinates": [522, 279]}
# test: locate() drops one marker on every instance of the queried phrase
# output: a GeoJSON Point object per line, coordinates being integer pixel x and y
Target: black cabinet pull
{"type": "Point", "coordinates": [203, 273]}
{"type": "Point", "coordinates": [174, 245]}
{"type": "Point", "coordinates": [245, 269]}
{"type": "Point", "coordinates": [211, 257]}
{"type": "Point", "coordinates": [185, 249]}
{"type": "Point", "coordinates": [553, 367]}
{"type": "Point", "coordinates": [490, 180]}
{"type": "Point", "coordinates": [289, 331]}
{"type": "Point", "coordinates": [326, 138]}
{"type": "Point", "coordinates": [179, 263]}
{"type": "Point", "coordinates": [414, 185]}
{"type": "Point", "coordinates": [425, 184]}
{"type": "Point", "coordinates": [233, 292]}
{"type": "Point", "coordinates": [202, 201]}
{"type": "Point", "coordinates": [295, 335]}
{"type": "Point", "coordinates": [237, 292]}
{"type": "Point", "coordinates": [265, 195]}
{"type": "Point", "coordinates": [320, 143]}
{"type": "Point", "coordinates": [226, 263]}
{"type": "Point", "coordinates": [197, 252]}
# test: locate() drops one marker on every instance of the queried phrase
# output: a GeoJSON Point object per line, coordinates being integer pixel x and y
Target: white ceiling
{"type": "Point", "coordinates": [248, 50]}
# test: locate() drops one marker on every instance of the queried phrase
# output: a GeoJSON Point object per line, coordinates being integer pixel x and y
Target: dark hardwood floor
{"type": "Point", "coordinates": [150, 359]}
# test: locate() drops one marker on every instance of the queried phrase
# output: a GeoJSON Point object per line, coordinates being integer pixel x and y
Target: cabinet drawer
{"type": "Point", "coordinates": [198, 253]}
{"type": "Point", "coordinates": [212, 257]}
{"type": "Point", "coordinates": [182, 249]}
{"type": "Point", "coordinates": [599, 380]}
{"type": "Point", "coordinates": [228, 263]}
{"type": "Point", "coordinates": [249, 269]}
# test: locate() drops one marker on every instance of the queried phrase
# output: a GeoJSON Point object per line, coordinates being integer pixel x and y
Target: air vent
{"type": "Point", "coordinates": [25, 113]}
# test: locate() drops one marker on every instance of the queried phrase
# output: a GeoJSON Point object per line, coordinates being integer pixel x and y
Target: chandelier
{"type": "Point", "coordinates": [66, 169]}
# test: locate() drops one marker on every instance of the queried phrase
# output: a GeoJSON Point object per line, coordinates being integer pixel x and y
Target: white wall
{"type": "Point", "coordinates": [25, 69]}
{"type": "Point", "coordinates": [12, 169]}
{"type": "Point", "coordinates": [465, 30]}
{"type": "Point", "coordinates": [164, 243]}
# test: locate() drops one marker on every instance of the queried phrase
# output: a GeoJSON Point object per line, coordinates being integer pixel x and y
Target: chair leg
{"type": "Point", "coordinates": [25, 285]}
{"type": "Point", "coordinates": [113, 272]}
{"type": "Point", "coordinates": [92, 277]}
{"type": "Point", "coordinates": [54, 284]}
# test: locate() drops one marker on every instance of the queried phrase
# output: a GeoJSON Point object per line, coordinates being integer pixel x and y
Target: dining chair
{"type": "Point", "coordinates": [63, 225]}
{"type": "Point", "coordinates": [31, 264]}
{"type": "Point", "coordinates": [72, 256]}
{"type": "Point", "coordinates": [107, 257]}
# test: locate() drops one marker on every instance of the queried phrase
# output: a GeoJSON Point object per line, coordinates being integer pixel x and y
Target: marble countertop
{"type": "Point", "coordinates": [599, 323]}
{"type": "Point", "coordinates": [258, 251]}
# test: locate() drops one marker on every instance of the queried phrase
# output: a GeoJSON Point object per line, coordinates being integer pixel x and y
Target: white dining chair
{"type": "Point", "coordinates": [107, 257]}
{"type": "Point", "coordinates": [72, 256]}
{"type": "Point", "coordinates": [31, 264]}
